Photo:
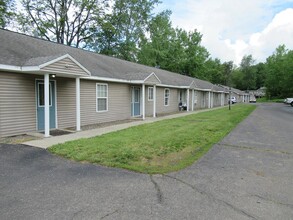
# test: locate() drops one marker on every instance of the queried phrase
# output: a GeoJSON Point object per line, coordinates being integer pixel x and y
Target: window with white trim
{"type": "Point", "coordinates": [102, 97]}
{"type": "Point", "coordinates": [150, 93]}
{"type": "Point", "coordinates": [41, 94]}
{"type": "Point", "coordinates": [166, 97]}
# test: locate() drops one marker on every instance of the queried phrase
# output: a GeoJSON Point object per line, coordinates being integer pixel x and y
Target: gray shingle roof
{"type": "Point", "coordinates": [22, 50]}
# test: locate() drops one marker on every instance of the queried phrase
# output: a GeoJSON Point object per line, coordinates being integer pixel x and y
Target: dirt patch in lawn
{"type": "Point", "coordinates": [18, 139]}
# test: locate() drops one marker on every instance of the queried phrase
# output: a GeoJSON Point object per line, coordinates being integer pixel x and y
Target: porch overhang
{"type": "Point", "coordinates": [63, 66]}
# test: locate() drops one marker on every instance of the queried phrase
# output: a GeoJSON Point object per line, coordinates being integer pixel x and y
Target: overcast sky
{"type": "Point", "coordinates": [234, 28]}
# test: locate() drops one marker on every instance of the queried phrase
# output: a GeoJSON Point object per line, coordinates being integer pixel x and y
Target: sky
{"type": "Point", "coordinates": [234, 28]}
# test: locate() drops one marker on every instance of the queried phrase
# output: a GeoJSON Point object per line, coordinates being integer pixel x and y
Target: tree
{"type": "Point", "coordinates": [228, 68]}
{"type": "Point", "coordinates": [64, 21]}
{"type": "Point", "coordinates": [260, 75]}
{"type": "Point", "coordinates": [249, 72]}
{"type": "Point", "coordinates": [6, 12]}
{"type": "Point", "coordinates": [214, 71]}
{"type": "Point", "coordinates": [154, 50]}
{"type": "Point", "coordinates": [124, 28]}
{"type": "Point", "coordinates": [279, 70]}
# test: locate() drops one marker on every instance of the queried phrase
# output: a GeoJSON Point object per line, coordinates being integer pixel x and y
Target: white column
{"type": "Point", "coordinates": [143, 101]}
{"type": "Point", "coordinates": [47, 104]}
{"type": "Point", "coordinates": [192, 101]}
{"type": "Point", "coordinates": [77, 93]}
{"type": "Point", "coordinates": [187, 101]}
{"type": "Point", "coordinates": [222, 99]}
{"type": "Point", "coordinates": [212, 99]}
{"type": "Point", "coordinates": [209, 104]}
{"type": "Point", "coordinates": [155, 100]}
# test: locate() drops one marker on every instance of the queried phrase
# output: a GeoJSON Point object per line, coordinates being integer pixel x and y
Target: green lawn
{"type": "Point", "coordinates": [159, 147]}
{"type": "Point", "coordinates": [264, 99]}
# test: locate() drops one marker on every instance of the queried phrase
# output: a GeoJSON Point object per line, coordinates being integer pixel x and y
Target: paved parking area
{"type": "Point", "coordinates": [248, 175]}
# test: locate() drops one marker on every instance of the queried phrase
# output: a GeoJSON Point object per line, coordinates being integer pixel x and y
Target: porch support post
{"type": "Point", "coordinates": [47, 104]}
{"type": "Point", "coordinates": [77, 93]}
{"type": "Point", "coordinates": [155, 100]}
{"type": "Point", "coordinates": [187, 101]}
{"type": "Point", "coordinates": [209, 103]}
{"type": "Point", "coordinates": [143, 101]}
{"type": "Point", "coordinates": [212, 99]}
{"type": "Point", "coordinates": [192, 101]}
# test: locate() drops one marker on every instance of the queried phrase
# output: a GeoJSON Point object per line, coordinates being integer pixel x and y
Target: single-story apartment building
{"type": "Point", "coordinates": [45, 85]}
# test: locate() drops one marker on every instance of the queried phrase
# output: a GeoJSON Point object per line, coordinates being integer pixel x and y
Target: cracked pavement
{"type": "Point", "coordinates": [248, 175]}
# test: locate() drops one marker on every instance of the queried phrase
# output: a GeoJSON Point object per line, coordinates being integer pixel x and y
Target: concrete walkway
{"type": "Point", "coordinates": [50, 141]}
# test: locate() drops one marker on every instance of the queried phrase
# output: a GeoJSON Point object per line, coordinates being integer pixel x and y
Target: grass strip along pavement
{"type": "Point", "coordinates": [158, 147]}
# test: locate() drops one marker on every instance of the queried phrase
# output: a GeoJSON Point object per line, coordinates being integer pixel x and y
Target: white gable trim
{"type": "Point", "coordinates": [193, 85]}
{"type": "Point", "coordinates": [63, 57]}
{"type": "Point", "coordinates": [153, 74]}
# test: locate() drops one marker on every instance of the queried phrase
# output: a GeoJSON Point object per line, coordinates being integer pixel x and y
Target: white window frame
{"type": "Point", "coordinates": [151, 92]}
{"type": "Point", "coordinates": [39, 92]}
{"type": "Point", "coordinates": [102, 84]}
{"type": "Point", "coordinates": [167, 97]}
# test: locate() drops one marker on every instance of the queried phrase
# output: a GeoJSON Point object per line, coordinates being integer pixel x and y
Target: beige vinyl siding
{"type": "Point", "coordinates": [149, 105]}
{"type": "Point", "coordinates": [173, 101]}
{"type": "Point", "coordinates": [66, 102]}
{"type": "Point", "coordinates": [118, 103]}
{"type": "Point", "coordinates": [17, 104]}
{"type": "Point", "coordinates": [66, 66]}
{"type": "Point", "coordinates": [202, 100]}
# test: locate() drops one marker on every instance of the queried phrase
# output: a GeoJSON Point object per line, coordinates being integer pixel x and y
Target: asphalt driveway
{"type": "Point", "coordinates": [248, 175]}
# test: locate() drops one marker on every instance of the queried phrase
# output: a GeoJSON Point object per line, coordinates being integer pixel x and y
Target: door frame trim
{"type": "Point", "coordinates": [36, 101]}
{"type": "Point", "coordinates": [132, 101]}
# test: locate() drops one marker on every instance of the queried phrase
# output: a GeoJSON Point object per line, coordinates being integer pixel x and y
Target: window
{"type": "Point", "coordinates": [41, 92]}
{"type": "Point", "coordinates": [151, 94]}
{"type": "Point", "coordinates": [166, 97]}
{"type": "Point", "coordinates": [102, 97]}
{"type": "Point", "coordinates": [195, 96]}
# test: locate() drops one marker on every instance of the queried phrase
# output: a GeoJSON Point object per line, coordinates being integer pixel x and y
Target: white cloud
{"type": "Point", "coordinates": [233, 28]}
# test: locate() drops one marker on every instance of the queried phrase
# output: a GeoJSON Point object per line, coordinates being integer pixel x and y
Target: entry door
{"type": "Point", "coordinates": [135, 101]}
{"type": "Point", "coordinates": [41, 104]}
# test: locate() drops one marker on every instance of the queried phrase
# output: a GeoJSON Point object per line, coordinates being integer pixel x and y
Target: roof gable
{"type": "Point", "coordinates": [64, 65]}
{"type": "Point", "coordinates": [193, 85]}
{"type": "Point", "coordinates": [152, 79]}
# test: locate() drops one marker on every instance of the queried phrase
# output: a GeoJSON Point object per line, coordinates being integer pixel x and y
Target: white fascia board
{"type": "Point", "coordinates": [171, 86]}
{"type": "Point", "coordinates": [63, 57]}
{"type": "Point", "coordinates": [30, 68]}
{"type": "Point", "coordinates": [204, 90]}
{"type": "Point", "coordinates": [10, 67]}
{"type": "Point", "coordinates": [105, 79]}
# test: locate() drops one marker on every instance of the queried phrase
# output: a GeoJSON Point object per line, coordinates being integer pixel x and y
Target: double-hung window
{"type": "Point", "coordinates": [102, 97]}
{"type": "Point", "coordinates": [150, 93]}
{"type": "Point", "coordinates": [166, 97]}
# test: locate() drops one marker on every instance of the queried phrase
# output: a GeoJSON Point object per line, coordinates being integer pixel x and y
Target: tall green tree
{"type": "Point", "coordinates": [227, 73]}
{"type": "Point", "coordinates": [68, 22]}
{"type": "Point", "coordinates": [249, 72]}
{"type": "Point", "coordinates": [155, 49]}
{"type": "Point", "coordinates": [279, 70]}
{"type": "Point", "coordinates": [260, 75]}
{"type": "Point", "coordinates": [124, 28]}
{"type": "Point", "coordinates": [7, 8]}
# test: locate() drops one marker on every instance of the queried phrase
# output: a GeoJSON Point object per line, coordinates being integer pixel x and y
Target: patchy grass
{"type": "Point", "coordinates": [159, 147]}
{"type": "Point", "coordinates": [17, 139]}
